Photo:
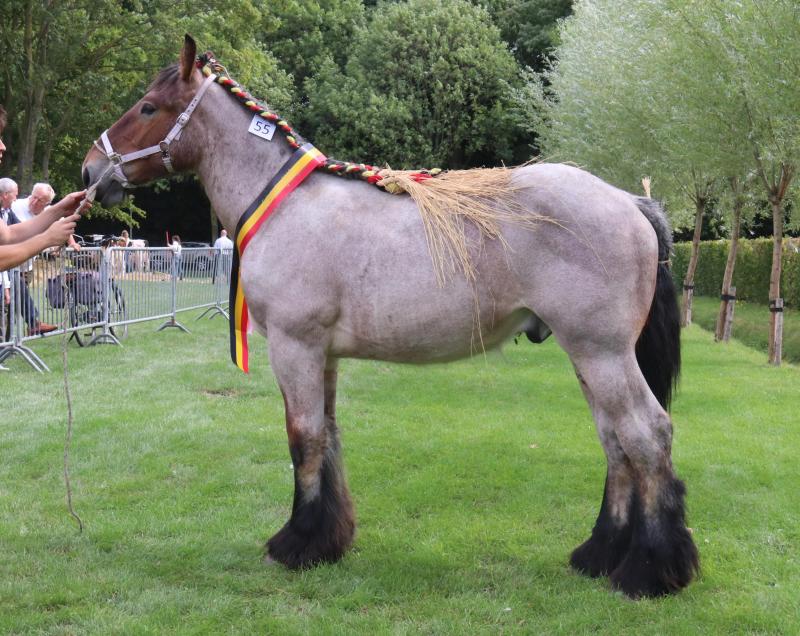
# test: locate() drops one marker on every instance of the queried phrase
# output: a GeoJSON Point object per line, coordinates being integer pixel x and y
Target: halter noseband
{"type": "Point", "coordinates": [117, 160]}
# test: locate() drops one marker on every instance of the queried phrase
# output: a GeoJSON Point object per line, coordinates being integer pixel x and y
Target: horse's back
{"type": "Point", "coordinates": [368, 283]}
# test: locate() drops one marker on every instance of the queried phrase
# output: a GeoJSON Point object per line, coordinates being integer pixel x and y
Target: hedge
{"type": "Point", "coordinates": [751, 275]}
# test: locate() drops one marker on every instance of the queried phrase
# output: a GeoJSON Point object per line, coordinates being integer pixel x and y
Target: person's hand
{"type": "Point", "coordinates": [70, 203]}
{"type": "Point", "coordinates": [59, 232]}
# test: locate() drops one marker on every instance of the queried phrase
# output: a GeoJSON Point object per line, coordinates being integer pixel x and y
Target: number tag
{"type": "Point", "coordinates": [260, 127]}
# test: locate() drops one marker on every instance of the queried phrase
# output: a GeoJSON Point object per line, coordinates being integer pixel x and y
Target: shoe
{"type": "Point", "coordinates": [41, 328]}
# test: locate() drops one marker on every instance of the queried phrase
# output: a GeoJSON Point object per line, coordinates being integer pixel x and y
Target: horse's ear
{"type": "Point", "coordinates": [188, 55]}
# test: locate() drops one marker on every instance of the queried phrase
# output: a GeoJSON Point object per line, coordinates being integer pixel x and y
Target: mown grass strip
{"type": "Point", "coordinates": [472, 481]}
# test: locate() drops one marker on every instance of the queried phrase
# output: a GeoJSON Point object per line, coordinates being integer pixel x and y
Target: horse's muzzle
{"type": "Point", "coordinates": [109, 192]}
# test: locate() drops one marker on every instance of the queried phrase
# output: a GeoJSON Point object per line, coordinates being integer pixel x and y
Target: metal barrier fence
{"type": "Point", "coordinates": [95, 293]}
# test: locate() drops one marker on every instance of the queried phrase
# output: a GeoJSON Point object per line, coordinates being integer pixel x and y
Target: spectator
{"type": "Point", "coordinates": [223, 247]}
{"type": "Point", "coordinates": [21, 276]}
{"type": "Point", "coordinates": [41, 197]}
{"type": "Point", "coordinates": [223, 242]}
{"type": "Point", "coordinates": [26, 209]}
{"type": "Point", "coordinates": [26, 239]}
{"type": "Point", "coordinates": [176, 259]}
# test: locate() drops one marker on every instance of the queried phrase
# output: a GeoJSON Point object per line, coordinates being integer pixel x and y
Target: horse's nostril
{"type": "Point", "coordinates": [87, 179]}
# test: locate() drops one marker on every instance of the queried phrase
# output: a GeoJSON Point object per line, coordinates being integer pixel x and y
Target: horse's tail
{"type": "Point", "coordinates": [658, 350]}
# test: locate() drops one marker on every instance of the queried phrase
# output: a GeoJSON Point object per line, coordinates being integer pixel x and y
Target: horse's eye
{"type": "Point", "coordinates": [147, 109]}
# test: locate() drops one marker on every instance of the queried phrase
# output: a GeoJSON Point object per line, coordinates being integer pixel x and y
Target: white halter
{"type": "Point", "coordinates": [117, 160]}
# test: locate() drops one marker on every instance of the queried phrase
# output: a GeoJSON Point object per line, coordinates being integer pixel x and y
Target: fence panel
{"type": "Point", "coordinates": [95, 293]}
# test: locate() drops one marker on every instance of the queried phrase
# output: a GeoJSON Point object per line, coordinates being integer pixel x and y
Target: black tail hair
{"type": "Point", "coordinates": [658, 350]}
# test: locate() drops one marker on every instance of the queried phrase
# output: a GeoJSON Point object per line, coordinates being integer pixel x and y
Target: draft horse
{"type": "Point", "coordinates": [343, 270]}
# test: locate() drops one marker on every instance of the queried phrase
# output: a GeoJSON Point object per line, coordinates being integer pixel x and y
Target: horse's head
{"type": "Point", "coordinates": [143, 144]}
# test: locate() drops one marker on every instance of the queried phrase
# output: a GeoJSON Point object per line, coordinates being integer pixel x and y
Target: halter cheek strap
{"type": "Point", "coordinates": [117, 160]}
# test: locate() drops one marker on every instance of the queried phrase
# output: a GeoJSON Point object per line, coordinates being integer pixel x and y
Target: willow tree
{"type": "Point", "coordinates": [763, 44]}
{"type": "Point", "coordinates": [694, 93]}
{"type": "Point", "coordinates": [612, 103]}
{"type": "Point", "coordinates": [753, 66]}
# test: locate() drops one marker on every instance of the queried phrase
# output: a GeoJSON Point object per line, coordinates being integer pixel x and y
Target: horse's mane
{"type": "Point", "coordinates": [447, 201]}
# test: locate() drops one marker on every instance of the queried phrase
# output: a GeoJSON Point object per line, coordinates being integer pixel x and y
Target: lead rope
{"type": "Point", "coordinates": [68, 436]}
{"type": "Point", "coordinates": [85, 205]}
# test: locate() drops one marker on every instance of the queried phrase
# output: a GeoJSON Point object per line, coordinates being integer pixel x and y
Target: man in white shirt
{"type": "Point", "coordinates": [25, 209]}
{"type": "Point", "coordinates": [223, 242]}
{"type": "Point", "coordinates": [223, 247]}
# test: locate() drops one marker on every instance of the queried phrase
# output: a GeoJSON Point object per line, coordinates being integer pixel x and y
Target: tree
{"type": "Point", "coordinates": [303, 34]}
{"type": "Point", "coordinates": [530, 27]}
{"type": "Point", "coordinates": [759, 56]}
{"type": "Point", "coordinates": [695, 93]}
{"type": "Point", "coordinates": [444, 106]}
{"type": "Point", "coordinates": [74, 66]}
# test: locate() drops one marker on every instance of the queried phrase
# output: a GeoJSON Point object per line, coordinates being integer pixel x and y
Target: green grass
{"type": "Point", "coordinates": [472, 482]}
{"type": "Point", "coordinates": [751, 325]}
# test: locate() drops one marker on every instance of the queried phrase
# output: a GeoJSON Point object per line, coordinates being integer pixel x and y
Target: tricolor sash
{"type": "Point", "coordinates": [294, 171]}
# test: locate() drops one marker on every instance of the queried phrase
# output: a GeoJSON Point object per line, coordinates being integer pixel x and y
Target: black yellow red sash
{"type": "Point", "coordinates": [294, 171]}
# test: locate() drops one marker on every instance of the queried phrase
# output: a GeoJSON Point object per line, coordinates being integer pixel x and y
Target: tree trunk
{"type": "Point", "coordinates": [728, 321]}
{"type": "Point", "coordinates": [214, 226]}
{"type": "Point", "coordinates": [45, 165]}
{"type": "Point", "coordinates": [35, 58]}
{"type": "Point", "coordinates": [726, 295]}
{"type": "Point", "coordinates": [688, 282]}
{"type": "Point", "coordinates": [775, 300]}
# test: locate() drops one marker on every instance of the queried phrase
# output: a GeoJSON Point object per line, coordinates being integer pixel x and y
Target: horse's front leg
{"type": "Point", "coordinates": [322, 524]}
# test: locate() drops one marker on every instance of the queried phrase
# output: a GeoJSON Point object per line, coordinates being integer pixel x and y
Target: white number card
{"type": "Point", "coordinates": [260, 127]}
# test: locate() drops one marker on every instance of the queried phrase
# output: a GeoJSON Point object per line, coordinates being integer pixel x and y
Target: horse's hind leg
{"type": "Point", "coordinates": [661, 557]}
{"type": "Point", "coordinates": [322, 524]}
{"type": "Point", "coordinates": [603, 551]}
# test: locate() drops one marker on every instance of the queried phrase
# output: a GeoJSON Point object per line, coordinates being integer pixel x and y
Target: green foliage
{"type": "Point", "coordinates": [445, 105]}
{"type": "Point", "coordinates": [87, 61]}
{"type": "Point", "coordinates": [529, 27]}
{"type": "Point", "coordinates": [303, 34]}
{"type": "Point", "coordinates": [687, 92]}
{"type": "Point", "coordinates": [752, 272]}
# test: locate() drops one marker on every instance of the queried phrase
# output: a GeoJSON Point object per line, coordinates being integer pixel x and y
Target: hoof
{"type": "Point", "coordinates": [596, 558]}
{"type": "Point", "coordinates": [657, 571]}
{"type": "Point", "coordinates": [601, 553]}
{"type": "Point", "coordinates": [298, 551]}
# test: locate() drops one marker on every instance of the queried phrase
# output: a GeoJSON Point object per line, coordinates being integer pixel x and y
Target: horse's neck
{"type": "Point", "coordinates": [233, 164]}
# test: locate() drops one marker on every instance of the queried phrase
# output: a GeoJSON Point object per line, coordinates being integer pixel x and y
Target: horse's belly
{"type": "Point", "coordinates": [413, 338]}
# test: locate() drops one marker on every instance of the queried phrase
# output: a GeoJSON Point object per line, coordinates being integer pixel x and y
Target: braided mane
{"type": "Point", "coordinates": [484, 196]}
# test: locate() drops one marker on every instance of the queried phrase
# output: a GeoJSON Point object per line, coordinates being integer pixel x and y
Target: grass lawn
{"type": "Point", "coordinates": [472, 483]}
{"type": "Point", "coordinates": [751, 325]}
